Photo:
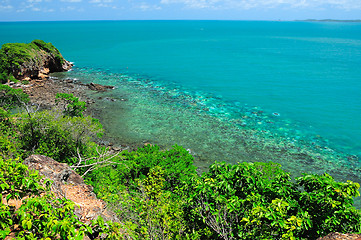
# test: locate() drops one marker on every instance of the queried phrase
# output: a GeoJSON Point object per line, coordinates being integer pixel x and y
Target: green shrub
{"type": "Point", "coordinates": [146, 189]}
{"type": "Point", "coordinates": [3, 77]}
{"type": "Point", "coordinates": [11, 98]}
{"type": "Point", "coordinates": [73, 107]}
{"type": "Point", "coordinates": [176, 162]}
{"type": "Point", "coordinates": [130, 167]}
{"type": "Point", "coordinates": [330, 205]}
{"type": "Point", "coordinates": [9, 142]}
{"type": "Point", "coordinates": [57, 136]}
{"type": "Point", "coordinates": [259, 201]}
{"type": "Point", "coordinates": [152, 212]}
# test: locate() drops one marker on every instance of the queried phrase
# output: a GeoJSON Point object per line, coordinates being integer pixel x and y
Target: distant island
{"type": "Point", "coordinates": [327, 20]}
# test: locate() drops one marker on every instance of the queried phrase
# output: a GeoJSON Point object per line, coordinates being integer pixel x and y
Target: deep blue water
{"type": "Point", "coordinates": [227, 90]}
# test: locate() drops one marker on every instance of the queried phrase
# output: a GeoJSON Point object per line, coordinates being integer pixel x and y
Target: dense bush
{"type": "Point", "coordinates": [51, 133]}
{"type": "Point", "coordinates": [242, 201]}
{"type": "Point", "coordinates": [129, 167]}
{"type": "Point", "coordinates": [259, 201]}
{"type": "Point", "coordinates": [9, 143]}
{"type": "Point", "coordinates": [11, 98]}
{"type": "Point", "coordinates": [57, 136]}
{"type": "Point", "coordinates": [72, 107]}
{"type": "Point", "coordinates": [41, 215]}
{"type": "Point", "coordinates": [146, 188]}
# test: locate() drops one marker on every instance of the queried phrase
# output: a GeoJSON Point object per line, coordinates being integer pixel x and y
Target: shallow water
{"type": "Point", "coordinates": [141, 110]}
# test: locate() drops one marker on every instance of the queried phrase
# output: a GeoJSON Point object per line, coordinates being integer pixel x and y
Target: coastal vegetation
{"type": "Point", "coordinates": [156, 193]}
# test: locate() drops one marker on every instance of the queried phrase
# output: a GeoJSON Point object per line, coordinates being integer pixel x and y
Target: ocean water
{"type": "Point", "coordinates": [288, 92]}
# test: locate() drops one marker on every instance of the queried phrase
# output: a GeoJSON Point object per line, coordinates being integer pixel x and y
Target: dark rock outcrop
{"type": "Point", "coordinates": [98, 87]}
{"type": "Point", "coordinates": [69, 184]}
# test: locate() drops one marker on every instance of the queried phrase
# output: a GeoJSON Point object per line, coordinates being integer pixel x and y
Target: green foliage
{"type": "Point", "coordinates": [152, 212]}
{"type": "Point", "coordinates": [12, 55]}
{"type": "Point", "coordinates": [41, 215]}
{"type": "Point", "coordinates": [3, 77]}
{"type": "Point", "coordinates": [130, 167]}
{"type": "Point", "coordinates": [9, 144]}
{"type": "Point", "coordinates": [158, 195]}
{"type": "Point", "coordinates": [176, 162]}
{"type": "Point", "coordinates": [57, 136]}
{"type": "Point", "coordinates": [112, 230]}
{"type": "Point", "coordinates": [11, 98]}
{"type": "Point", "coordinates": [49, 48]}
{"type": "Point", "coordinates": [74, 107]}
{"type": "Point", "coordinates": [47, 217]}
{"type": "Point", "coordinates": [259, 201]}
{"type": "Point", "coordinates": [16, 181]}
{"type": "Point", "coordinates": [329, 204]}
{"type": "Point", "coordinates": [146, 188]}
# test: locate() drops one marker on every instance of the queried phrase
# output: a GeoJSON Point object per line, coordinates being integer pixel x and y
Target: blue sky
{"type": "Point", "coordinates": [43, 10]}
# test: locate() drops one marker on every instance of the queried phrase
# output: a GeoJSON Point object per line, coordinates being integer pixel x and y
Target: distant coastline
{"type": "Point", "coordinates": [327, 20]}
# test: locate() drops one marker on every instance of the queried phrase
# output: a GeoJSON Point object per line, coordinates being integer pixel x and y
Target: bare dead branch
{"type": "Point", "coordinates": [102, 160]}
{"type": "Point", "coordinates": [219, 222]}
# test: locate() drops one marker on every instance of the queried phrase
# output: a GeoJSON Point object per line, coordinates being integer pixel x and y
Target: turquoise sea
{"type": "Point", "coordinates": [288, 92]}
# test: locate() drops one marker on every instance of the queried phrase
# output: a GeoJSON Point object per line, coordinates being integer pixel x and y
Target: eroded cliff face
{"type": "Point", "coordinates": [41, 66]}
{"type": "Point", "coordinates": [35, 60]}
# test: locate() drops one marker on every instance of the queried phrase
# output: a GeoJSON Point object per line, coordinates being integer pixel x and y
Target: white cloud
{"type": "Point", "coordinates": [6, 7]}
{"type": "Point", "coordinates": [71, 1]}
{"type": "Point", "coordinates": [101, 1]}
{"type": "Point", "coordinates": [195, 3]}
{"type": "Point", "coordinates": [249, 4]}
{"type": "Point", "coordinates": [143, 6]}
{"type": "Point", "coordinates": [68, 8]}
{"type": "Point", "coordinates": [71, 8]}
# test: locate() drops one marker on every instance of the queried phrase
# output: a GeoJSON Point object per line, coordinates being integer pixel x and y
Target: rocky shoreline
{"type": "Point", "coordinates": [42, 92]}
{"type": "Point", "coordinates": [42, 95]}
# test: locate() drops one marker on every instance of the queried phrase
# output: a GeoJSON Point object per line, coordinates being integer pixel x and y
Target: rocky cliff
{"type": "Point", "coordinates": [34, 60]}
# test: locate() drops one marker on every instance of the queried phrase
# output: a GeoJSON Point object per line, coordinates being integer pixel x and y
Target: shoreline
{"type": "Point", "coordinates": [256, 147]}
